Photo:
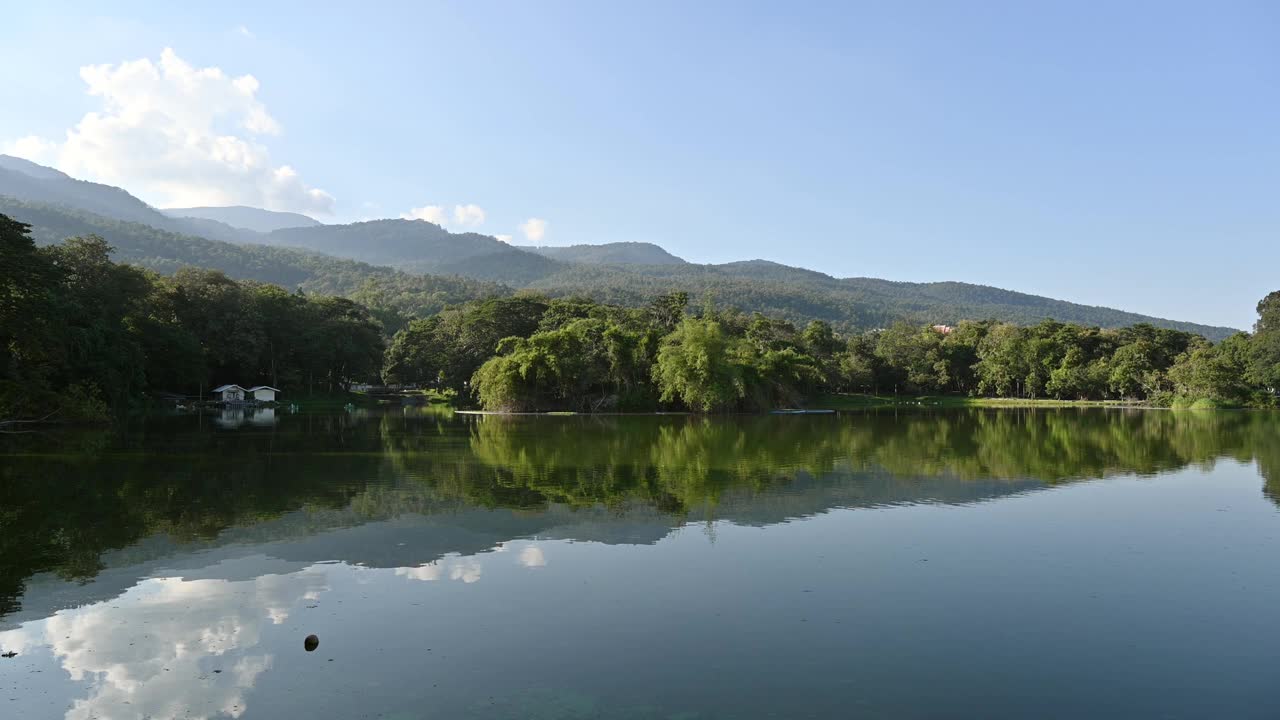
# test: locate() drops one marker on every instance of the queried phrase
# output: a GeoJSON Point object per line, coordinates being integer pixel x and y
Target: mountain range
{"type": "Point", "coordinates": [437, 267]}
{"type": "Point", "coordinates": [245, 218]}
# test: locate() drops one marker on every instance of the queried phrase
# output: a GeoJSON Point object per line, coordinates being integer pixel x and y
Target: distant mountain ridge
{"type": "Point", "coordinates": [167, 252]}
{"type": "Point", "coordinates": [245, 218]}
{"type": "Point", "coordinates": [35, 170]}
{"type": "Point", "coordinates": [616, 253]}
{"type": "Point", "coordinates": [624, 273]}
{"type": "Point", "coordinates": [389, 242]}
{"type": "Point", "coordinates": [423, 247]}
{"type": "Point", "coordinates": [24, 180]}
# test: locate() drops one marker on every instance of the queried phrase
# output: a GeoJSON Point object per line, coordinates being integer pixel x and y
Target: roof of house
{"type": "Point", "coordinates": [227, 387]}
{"type": "Point", "coordinates": [256, 388]}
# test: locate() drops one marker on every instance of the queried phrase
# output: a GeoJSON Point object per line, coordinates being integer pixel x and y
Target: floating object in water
{"type": "Point", "coordinates": [311, 643]}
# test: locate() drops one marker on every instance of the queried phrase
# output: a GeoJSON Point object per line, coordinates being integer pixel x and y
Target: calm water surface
{"type": "Point", "coordinates": [1058, 564]}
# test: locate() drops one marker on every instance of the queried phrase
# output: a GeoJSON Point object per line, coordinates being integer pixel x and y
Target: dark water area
{"type": "Point", "coordinates": [988, 563]}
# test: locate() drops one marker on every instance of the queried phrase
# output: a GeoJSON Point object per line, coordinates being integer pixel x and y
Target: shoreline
{"type": "Point", "coordinates": [835, 404]}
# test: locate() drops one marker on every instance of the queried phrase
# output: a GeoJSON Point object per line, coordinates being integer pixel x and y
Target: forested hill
{"type": "Point", "coordinates": [847, 303]}
{"type": "Point", "coordinates": [422, 246]}
{"type": "Point", "coordinates": [616, 253]}
{"type": "Point", "coordinates": [245, 218]}
{"type": "Point", "coordinates": [379, 287]}
{"type": "Point", "coordinates": [411, 244]}
{"type": "Point", "coordinates": [27, 181]}
{"type": "Point", "coordinates": [625, 273]}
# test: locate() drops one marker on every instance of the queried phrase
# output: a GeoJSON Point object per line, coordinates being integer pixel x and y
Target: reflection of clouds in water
{"type": "Point", "coordinates": [469, 568]}
{"type": "Point", "coordinates": [142, 650]}
{"type": "Point", "coordinates": [454, 567]}
{"type": "Point", "coordinates": [532, 557]}
{"type": "Point", "coordinates": [425, 573]}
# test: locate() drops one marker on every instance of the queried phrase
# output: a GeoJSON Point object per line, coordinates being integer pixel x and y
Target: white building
{"type": "Point", "coordinates": [229, 393]}
{"type": "Point", "coordinates": [263, 393]}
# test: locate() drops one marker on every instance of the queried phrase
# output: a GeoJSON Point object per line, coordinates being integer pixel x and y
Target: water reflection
{"type": "Point", "coordinates": [230, 418]}
{"type": "Point", "coordinates": [163, 569]}
{"type": "Point", "coordinates": [488, 480]}
{"type": "Point", "coordinates": [157, 651]}
{"type": "Point", "coordinates": [195, 647]}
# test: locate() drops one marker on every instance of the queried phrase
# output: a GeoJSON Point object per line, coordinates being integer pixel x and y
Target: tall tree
{"type": "Point", "coordinates": [696, 367]}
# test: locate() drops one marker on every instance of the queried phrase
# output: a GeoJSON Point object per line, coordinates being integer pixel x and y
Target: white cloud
{"type": "Point", "coordinates": [35, 149]}
{"type": "Point", "coordinates": [177, 135]}
{"type": "Point", "coordinates": [504, 238]}
{"type": "Point", "coordinates": [244, 31]}
{"type": "Point", "coordinates": [430, 213]}
{"type": "Point", "coordinates": [534, 229]}
{"type": "Point", "coordinates": [468, 215]}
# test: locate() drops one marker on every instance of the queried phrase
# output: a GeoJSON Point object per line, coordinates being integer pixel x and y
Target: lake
{"type": "Point", "coordinates": [987, 563]}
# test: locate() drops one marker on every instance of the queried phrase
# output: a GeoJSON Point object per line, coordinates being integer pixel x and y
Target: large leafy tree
{"type": "Point", "coordinates": [1264, 360]}
{"type": "Point", "coordinates": [26, 280]}
{"type": "Point", "coordinates": [1001, 366]}
{"type": "Point", "coordinates": [27, 285]}
{"type": "Point", "coordinates": [418, 353]}
{"type": "Point", "coordinates": [696, 367]}
{"type": "Point", "coordinates": [1206, 372]}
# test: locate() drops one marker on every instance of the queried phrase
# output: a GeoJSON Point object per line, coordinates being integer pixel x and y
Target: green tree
{"type": "Point", "coordinates": [1205, 372]}
{"type": "Point", "coordinates": [1264, 355]}
{"type": "Point", "coordinates": [27, 282]}
{"type": "Point", "coordinates": [915, 357]}
{"type": "Point", "coordinates": [696, 367]}
{"type": "Point", "coordinates": [1002, 365]}
{"type": "Point", "coordinates": [417, 354]}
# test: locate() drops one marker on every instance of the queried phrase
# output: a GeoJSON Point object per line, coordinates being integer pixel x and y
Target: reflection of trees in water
{"type": "Point", "coordinates": [610, 460]}
{"type": "Point", "coordinates": [65, 500]}
{"type": "Point", "coordinates": [60, 510]}
{"type": "Point", "coordinates": [1267, 453]}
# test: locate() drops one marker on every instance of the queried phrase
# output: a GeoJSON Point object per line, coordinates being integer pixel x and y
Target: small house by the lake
{"type": "Point", "coordinates": [229, 393]}
{"type": "Point", "coordinates": [263, 393]}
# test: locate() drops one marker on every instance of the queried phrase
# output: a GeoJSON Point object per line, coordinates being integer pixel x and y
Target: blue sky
{"type": "Point", "coordinates": [1122, 154]}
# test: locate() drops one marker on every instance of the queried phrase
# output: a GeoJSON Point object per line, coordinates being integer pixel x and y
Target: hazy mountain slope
{"type": "Point", "coordinates": [245, 218]}
{"type": "Point", "coordinates": [420, 246]}
{"type": "Point", "coordinates": [949, 302]}
{"type": "Point", "coordinates": [423, 247]}
{"type": "Point", "coordinates": [59, 189]}
{"type": "Point", "coordinates": [165, 243]}
{"type": "Point", "coordinates": [389, 242]}
{"type": "Point", "coordinates": [26, 167]}
{"type": "Point", "coordinates": [27, 181]}
{"type": "Point", "coordinates": [617, 253]}
{"type": "Point", "coordinates": [851, 303]}
{"type": "Point", "coordinates": [166, 252]}
{"type": "Point", "coordinates": [509, 266]}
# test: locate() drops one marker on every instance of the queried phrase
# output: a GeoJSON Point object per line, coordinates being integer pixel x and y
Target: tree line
{"type": "Point", "coordinates": [85, 337]}
{"type": "Point", "coordinates": [529, 353]}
